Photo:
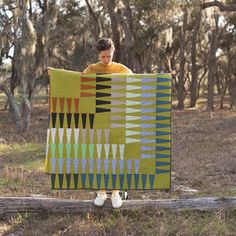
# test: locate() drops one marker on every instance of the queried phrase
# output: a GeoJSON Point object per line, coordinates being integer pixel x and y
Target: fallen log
{"type": "Point", "coordinates": [9, 205]}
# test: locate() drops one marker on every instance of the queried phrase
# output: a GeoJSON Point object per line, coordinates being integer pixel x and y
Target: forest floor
{"type": "Point", "coordinates": [203, 164]}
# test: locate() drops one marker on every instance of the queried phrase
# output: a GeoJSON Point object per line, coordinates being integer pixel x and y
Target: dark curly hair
{"type": "Point", "coordinates": [104, 44]}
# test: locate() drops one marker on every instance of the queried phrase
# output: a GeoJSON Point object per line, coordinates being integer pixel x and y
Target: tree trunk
{"type": "Point", "coordinates": [212, 65]}
{"type": "Point", "coordinates": [11, 205]}
{"type": "Point", "coordinates": [194, 70]}
{"type": "Point", "coordinates": [48, 18]}
{"type": "Point", "coordinates": [223, 85]}
{"type": "Point", "coordinates": [93, 15]}
{"type": "Point", "coordinates": [180, 88]}
{"type": "Point", "coordinates": [28, 61]}
{"type": "Point", "coordinates": [230, 83]}
{"type": "Point", "coordinates": [14, 107]}
{"type": "Point", "coordinates": [23, 67]}
{"type": "Point", "coordinates": [112, 9]}
{"type": "Point", "coordinates": [124, 17]}
{"type": "Point", "coordinates": [129, 37]}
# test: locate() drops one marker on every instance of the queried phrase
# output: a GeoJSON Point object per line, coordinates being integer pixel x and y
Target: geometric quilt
{"type": "Point", "coordinates": [109, 131]}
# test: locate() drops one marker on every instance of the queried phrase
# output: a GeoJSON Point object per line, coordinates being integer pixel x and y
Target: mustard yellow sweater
{"type": "Point", "coordinates": [113, 67]}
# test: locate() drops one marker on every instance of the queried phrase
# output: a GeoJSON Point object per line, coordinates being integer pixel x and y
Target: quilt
{"type": "Point", "coordinates": [109, 131]}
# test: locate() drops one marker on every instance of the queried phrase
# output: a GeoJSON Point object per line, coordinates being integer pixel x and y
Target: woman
{"type": "Point", "coordinates": [105, 48]}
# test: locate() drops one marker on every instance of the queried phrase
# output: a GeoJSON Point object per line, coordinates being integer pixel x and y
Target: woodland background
{"type": "Point", "coordinates": [193, 40]}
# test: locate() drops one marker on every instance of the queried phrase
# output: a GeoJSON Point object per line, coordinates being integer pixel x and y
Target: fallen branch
{"type": "Point", "coordinates": [9, 205]}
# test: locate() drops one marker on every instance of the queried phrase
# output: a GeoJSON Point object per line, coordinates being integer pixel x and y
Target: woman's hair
{"type": "Point", "coordinates": [104, 44]}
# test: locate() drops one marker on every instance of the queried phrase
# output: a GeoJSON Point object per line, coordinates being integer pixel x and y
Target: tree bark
{"type": "Point", "coordinates": [212, 67]}
{"type": "Point", "coordinates": [98, 26]}
{"type": "Point", "coordinates": [30, 58]}
{"type": "Point", "coordinates": [230, 83]}
{"type": "Point", "coordinates": [128, 13]}
{"type": "Point", "coordinates": [14, 106]}
{"type": "Point", "coordinates": [222, 7]}
{"type": "Point", "coordinates": [194, 69]}
{"type": "Point", "coordinates": [43, 29]}
{"type": "Point", "coordinates": [112, 9]}
{"type": "Point", "coordinates": [23, 65]}
{"type": "Point", "coordinates": [125, 20]}
{"type": "Point", "coordinates": [12, 205]}
{"type": "Point", "coordinates": [180, 88]}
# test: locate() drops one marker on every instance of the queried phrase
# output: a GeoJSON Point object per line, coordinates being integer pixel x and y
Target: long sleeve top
{"type": "Point", "coordinates": [113, 67]}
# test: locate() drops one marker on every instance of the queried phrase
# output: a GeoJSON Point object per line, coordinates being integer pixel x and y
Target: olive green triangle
{"type": "Point", "coordinates": [60, 147]}
{"type": "Point", "coordinates": [91, 150]}
{"type": "Point", "coordinates": [53, 149]}
{"type": "Point", "coordinates": [76, 150]}
{"type": "Point", "coordinates": [68, 148]}
{"type": "Point", "coordinates": [83, 148]}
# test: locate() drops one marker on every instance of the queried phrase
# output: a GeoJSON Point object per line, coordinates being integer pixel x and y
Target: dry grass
{"type": "Point", "coordinates": [126, 223]}
{"type": "Point", "coordinates": [203, 164]}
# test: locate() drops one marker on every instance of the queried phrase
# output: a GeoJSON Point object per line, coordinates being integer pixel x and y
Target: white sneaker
{"type": "Point", "coordinates": [116, 199]}
{"type": "Point", "coordinates": [100, 199]}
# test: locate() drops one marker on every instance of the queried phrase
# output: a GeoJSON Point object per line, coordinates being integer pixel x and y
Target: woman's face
{"type": "Point", "coordinates": [106, 56]}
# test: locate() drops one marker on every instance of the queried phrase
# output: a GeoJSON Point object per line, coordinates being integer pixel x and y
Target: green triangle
{"type": "Point", "coordinates": [76, 150]}
{"type": "Point", "coordinates": [83, 147]}
{"type": "Point", "coordinates": [60, 146]}
{"type": "Point", "coordinates": [68, 148]}
{"type": "Point", "coordinates": [91, 150]}
{"type": "Point", "coordinates": [53, 149]}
